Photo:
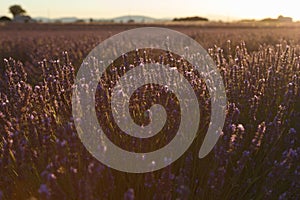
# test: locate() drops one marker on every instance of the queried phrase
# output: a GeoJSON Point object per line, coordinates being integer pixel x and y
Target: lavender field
{"type": "Point", "coordinates": [256, 157]}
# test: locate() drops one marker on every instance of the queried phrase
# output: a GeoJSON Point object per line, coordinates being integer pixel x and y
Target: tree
{"type": "Point", "coordinates": [16, 10]}
{"type": "Point", "coordinates": [5, 19]}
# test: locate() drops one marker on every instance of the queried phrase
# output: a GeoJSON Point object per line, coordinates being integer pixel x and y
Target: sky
{"type": "Point", "coordinates": [226, 10]}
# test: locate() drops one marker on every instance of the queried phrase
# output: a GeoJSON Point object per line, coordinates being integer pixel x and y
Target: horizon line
{"type": "Point", "coordinates": [211, 17]}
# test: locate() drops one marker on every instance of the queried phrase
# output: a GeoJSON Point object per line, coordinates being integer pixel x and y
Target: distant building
{"type": "Point", "coordinates": [23, 19]}
{"type": "Point", "coordinates": [279, 19]}
{"type": "Point", "coordinates": [284, 19]}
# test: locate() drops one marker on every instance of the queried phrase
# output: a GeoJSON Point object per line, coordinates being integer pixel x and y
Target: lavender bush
{"type": "Point", "coordinates": [257, 156]}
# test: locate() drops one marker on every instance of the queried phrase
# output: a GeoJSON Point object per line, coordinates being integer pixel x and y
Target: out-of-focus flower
{"type": "Point", "coordinates": [129, 195]}
{"type": "Point", "coordinates": [44, 190]}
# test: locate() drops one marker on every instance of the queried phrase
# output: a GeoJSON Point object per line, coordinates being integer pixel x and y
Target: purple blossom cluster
{"type": "Point", "coordinates": [257, 156]}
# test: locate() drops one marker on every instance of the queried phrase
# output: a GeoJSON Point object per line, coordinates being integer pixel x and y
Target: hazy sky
{"type": "Point", "coordinates": [213, 9]}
